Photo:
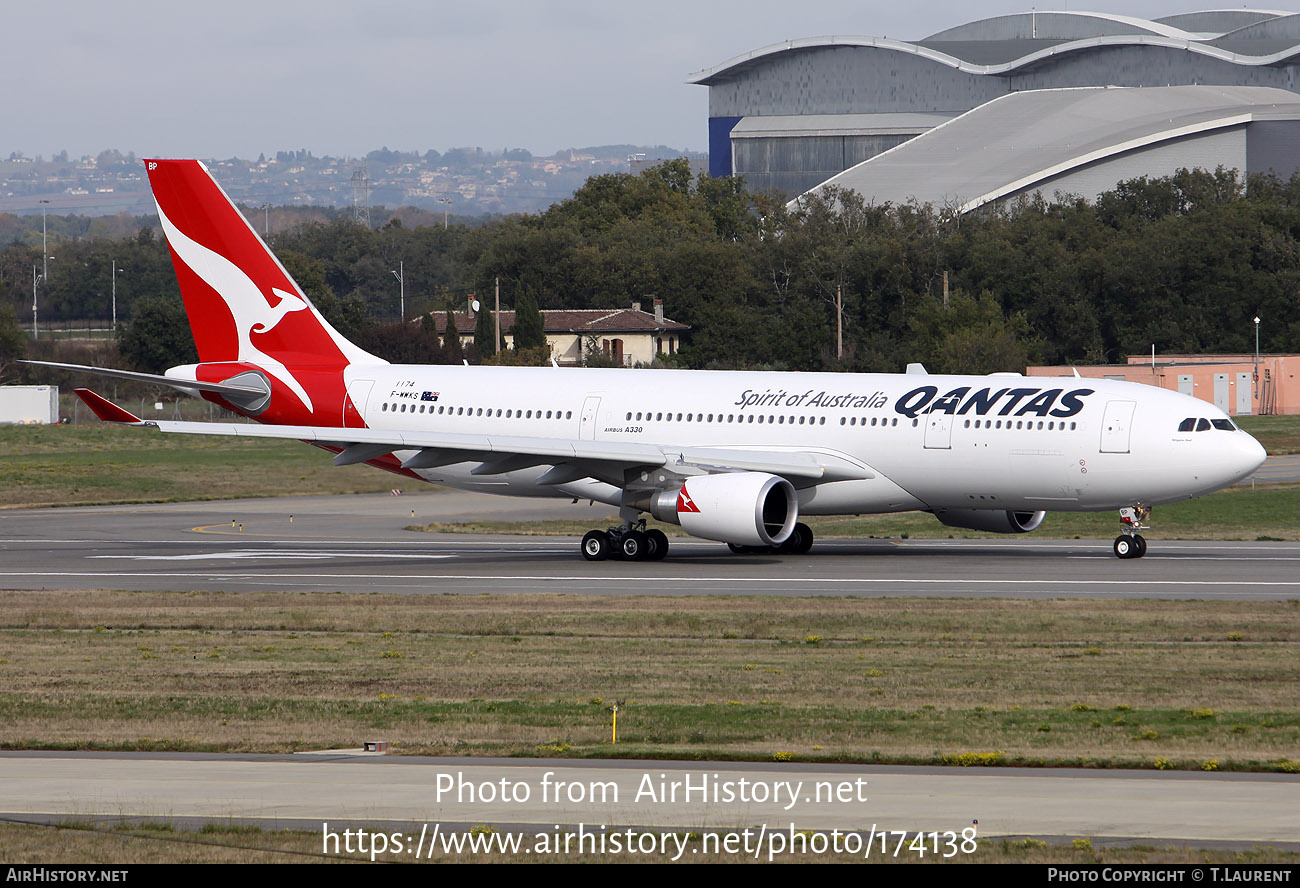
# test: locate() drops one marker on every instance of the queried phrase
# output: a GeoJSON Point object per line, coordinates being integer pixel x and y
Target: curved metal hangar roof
{"type": "Point", "coordinates": [1079, 141]}
{"type": "Point", "coordinates": [1012, 44]}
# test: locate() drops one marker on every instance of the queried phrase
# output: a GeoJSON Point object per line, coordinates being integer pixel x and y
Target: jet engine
{"type": "Point", "coordinates": [745, 508]}
{"type": "Point", "coordinates": [991, 521]}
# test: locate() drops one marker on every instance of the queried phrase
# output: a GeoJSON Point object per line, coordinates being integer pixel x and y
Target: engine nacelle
{"type": "Point", "coordinates": [745, 508]}
{"type": "Point", "coordinates": [990, 520]}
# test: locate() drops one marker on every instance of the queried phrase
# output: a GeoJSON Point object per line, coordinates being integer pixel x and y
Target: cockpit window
{"type": "Point", "coordinates": [1224, 424]}
{"type": "Point", "coordinates": [1202, 425]}
{"type": "Point", "coordinates": [1187, 425]}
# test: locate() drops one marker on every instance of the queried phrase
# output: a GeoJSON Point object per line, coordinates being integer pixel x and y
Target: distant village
{"type": "Point", "coordinates": [461, 181]}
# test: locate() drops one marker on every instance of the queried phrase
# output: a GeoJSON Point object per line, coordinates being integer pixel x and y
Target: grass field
{"type": "Point", "coordinates": [82, 465]}
{"type": "Point", "coordinates": [1278, 434]}
{"type": "Point", "coordinates": [1127, 684]}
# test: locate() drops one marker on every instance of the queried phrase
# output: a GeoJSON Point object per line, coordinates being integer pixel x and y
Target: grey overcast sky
{"type": "Point", "coordinates": [239, 77]}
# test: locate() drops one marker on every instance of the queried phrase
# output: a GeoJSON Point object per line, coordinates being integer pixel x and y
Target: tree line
{"type": "Point", "coordinates": [835, 282]}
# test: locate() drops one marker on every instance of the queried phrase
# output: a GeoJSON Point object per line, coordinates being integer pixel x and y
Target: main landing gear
{"type": "Point", "coordinates": [798, 542]}
{"type": "Point", "coordinates": [1130, 544]}
{"type": "Point", "coordinates": [629, 541]}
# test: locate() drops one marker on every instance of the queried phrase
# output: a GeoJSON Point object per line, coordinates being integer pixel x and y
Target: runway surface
{"type": "Point", "coordinates": [304, 791]}
{"type": "Point", "coordinates": [360, 544]}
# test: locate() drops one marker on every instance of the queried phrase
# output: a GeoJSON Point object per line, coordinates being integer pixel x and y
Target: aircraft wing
{"type": "Point", "coordinates": [572, 458]}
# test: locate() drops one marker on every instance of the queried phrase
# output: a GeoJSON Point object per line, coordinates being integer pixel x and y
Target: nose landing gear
{"type": "Point", "coordinates": [1130, 544]}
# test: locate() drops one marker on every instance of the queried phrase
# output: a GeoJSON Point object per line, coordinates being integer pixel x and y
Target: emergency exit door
{"type": "Point", "coordinates": [1117, 426]}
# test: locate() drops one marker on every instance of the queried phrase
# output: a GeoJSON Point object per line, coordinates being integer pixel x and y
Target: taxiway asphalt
{"type": "Point", "coordinates": [360, 544]}
{"type": "Point", "coordinates": [402, 794]}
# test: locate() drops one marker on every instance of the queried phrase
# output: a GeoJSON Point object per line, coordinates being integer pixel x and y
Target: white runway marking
{"type": "Point", "coordinates": [255, 554]}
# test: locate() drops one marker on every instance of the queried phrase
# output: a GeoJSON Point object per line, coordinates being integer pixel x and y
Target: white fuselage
{"type": "Point", "coordinates": [931, 442]}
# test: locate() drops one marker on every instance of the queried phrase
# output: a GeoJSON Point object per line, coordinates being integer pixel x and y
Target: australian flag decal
{"type": "Point", "coordinates": [429, 396]}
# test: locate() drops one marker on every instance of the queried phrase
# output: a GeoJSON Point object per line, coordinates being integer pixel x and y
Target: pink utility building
{"type": "Point", "coordinates": [1237, 384]}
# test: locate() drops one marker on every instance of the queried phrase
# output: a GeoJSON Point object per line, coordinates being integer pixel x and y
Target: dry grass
{"type": "Point", "coordinates": [78, 465]}
{"type": "Point", "coordinates": [846, 679]}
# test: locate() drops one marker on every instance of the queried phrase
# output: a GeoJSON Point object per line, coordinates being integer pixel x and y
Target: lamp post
{"type": "Point", "coordinates": [36, 330]}
{"type": "Point", "coordinates": [115, 273]}
{"type": "Point", "coordinates": [266, 220]}
{"type": "Point", "coordinates": [1256, 356]}
{"type": "Point", "coordinates": [45, 264]}
{"type": "Point", "coordinates": [401, 280]}
{"type": "Point", "coordinates": [446, 202]}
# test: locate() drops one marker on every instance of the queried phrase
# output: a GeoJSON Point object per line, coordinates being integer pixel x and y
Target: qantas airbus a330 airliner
{"type": "Point", "coordinates": [730, 456]}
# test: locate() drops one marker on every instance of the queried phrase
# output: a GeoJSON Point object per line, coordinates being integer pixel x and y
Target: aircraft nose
{"type": "Point", "coordinates": [1247, 455]}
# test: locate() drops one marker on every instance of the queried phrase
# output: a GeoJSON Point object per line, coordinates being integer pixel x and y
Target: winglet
{"type": "Point", "coordinates": [106, 409]}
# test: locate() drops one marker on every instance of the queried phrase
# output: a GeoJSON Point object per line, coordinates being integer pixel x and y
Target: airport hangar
{"type": "Point", "coordinates": [1047, 102]}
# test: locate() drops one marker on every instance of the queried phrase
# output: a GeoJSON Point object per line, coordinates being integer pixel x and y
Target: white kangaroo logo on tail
{"type": "Point", "coordinates": [247, 304]}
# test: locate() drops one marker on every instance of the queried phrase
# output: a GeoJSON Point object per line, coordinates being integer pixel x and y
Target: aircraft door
{"type": "Point", "coordinates": [354, 405]}
{"type": "Point", "coordinates": [1116, 426]}
{"type": "Point", "coordinates": [590, 412]}
{"type": "Point", "coordinates": [938, 431]}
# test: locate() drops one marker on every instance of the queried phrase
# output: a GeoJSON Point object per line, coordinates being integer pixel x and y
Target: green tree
{"type": "Point", "coordinates": [452, 352]}
{"type": "Point", "coordinates": [970, 336]}
{"type": "Point", "coordinates": [158, 336]}
{"type": "Point", "coordinates": [485, 341]}
{"type": "Point", "coordinates": [528, 328]}
{"type": "Point", "coordinates": [13, 342]}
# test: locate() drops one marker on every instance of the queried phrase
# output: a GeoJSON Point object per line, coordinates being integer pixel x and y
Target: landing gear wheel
{"type": "Point", "coordinates": [798, 542]}
{"type": "Point", "coordinates": [596, 545]}
{"type": "Point", "coordinates": [635, 546]}
{"type": "Point", "coordinates": [658, 541]}
{"type": "Point", "coordinates": [1130, 544]}
{"type": "Point", "coordinates": [737, 549]}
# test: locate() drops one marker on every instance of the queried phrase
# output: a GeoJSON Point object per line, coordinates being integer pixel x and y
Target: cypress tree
{"type": "Point", "coordinates": [528, 329]}
{"type": "Point", "coordinates": [451, 350]}
{"type": "Point", "coordinates": [485, 337]}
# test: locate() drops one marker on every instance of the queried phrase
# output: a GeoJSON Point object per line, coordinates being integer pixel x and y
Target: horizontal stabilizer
{"type": "Point", "coordinates": [220, 388]}
{"type": "Point", "coordinates": [104, 408]}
